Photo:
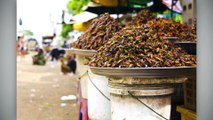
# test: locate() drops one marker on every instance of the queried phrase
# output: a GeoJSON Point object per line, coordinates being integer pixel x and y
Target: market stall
{"type": "Point", "coordinates": [136, 63]}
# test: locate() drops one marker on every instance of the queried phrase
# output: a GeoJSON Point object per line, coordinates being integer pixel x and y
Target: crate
{"type": "Point", "coordinates": [189, 88]}
{"type": "Point", "coordinates": [186, 114]}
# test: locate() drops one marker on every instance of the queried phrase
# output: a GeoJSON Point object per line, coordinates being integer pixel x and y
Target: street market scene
{"type": "Point", "coordinates": [106, 60]}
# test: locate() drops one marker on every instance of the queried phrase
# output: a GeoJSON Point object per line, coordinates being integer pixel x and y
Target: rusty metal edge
{"type": "Point", "coordinates": [148, 72]}
{"type": "Point", "coordinates": [81, 52]}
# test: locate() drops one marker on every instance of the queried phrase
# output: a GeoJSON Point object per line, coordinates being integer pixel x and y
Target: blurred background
{"type": "Point", "coordinates": [46, 89]}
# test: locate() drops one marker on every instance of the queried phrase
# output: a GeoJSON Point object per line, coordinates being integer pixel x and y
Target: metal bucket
{"type": "Point", "coordinates": [127, 101]}
{"type": "Point", "coordinates": [98, 98]}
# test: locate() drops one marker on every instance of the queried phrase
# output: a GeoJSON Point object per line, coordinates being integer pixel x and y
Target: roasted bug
{"type": "Point", "coordinates": [98, 33]}
{"type": "Point", "coordinates": [137, 46]}
{"type": "Point", "coordinates": [141, 18]}
{"type": "Point", "coordinates": [170, 28]}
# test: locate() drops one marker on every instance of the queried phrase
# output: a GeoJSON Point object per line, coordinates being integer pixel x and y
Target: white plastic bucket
{"type": "Point", "coordinates": [98, 103]}
{"type": "Point", "coordinates": [81, 70]}
{"type": "Point", "coordinates": [125, 107]}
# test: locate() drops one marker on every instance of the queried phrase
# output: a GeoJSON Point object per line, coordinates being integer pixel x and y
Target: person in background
{"type": "Point", "coordinates": [22, 46]}
{"type": "Point", "coordinates": [39, 58]}
{"type": "Point", "coordinates": [71, 65]}
{"type": "Point", "coordinates": [18, 46]}
{"type": "Point", "coordinates": [56, 54]}
{"type": "Point", "coordinates": [65, 45]}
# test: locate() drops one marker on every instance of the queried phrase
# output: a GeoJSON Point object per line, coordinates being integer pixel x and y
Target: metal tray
{"type": "Point", "coordinates": [171, 39]}
{"type": "Point", "coordinates": [81, 52]}
{"type": "Point", "coordinates": [146, 72]}
{"type": "Point", "coordinates": [189, 47]}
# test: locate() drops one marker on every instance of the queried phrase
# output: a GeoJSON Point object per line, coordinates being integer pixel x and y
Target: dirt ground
{"type": "Point", "coordinates": [40, 90]}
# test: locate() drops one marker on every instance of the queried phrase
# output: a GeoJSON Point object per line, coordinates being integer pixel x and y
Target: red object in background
{"type": "Point", "coordinates": [83, 109]}
{"type": "Point", "coordinates": [83, 112]}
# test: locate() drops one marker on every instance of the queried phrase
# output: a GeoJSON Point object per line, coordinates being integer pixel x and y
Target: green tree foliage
{"type": "Point", "coordinates": [75, 6]}
{"type": "Point", "coordinates": [66, 28]}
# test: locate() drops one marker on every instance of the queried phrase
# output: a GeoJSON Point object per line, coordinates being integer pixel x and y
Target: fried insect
{"type": "Point", "coordinates": [140, 47]}
{"type": "Point", "coordinates": [170, 28]}
{"type": "Point", "coordinates": [141, 18]}
{"type": "Point", "coordinates": [98, 33]}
